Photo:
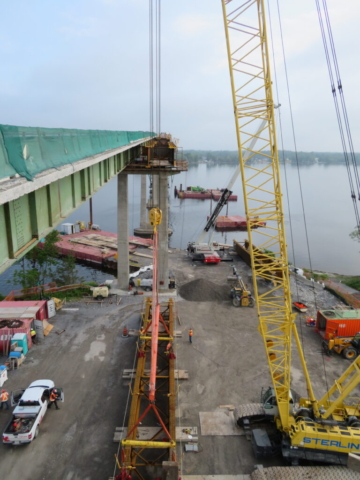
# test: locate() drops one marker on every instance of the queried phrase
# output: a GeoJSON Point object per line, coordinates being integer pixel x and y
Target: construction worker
{"type": "Point", "coordinates": [33, 335]}
{"type": "Point", "coordinates": [4, 399]}
{"type": "Point", "coordinates": [190, 335]}
{"type": "Point", "coordinates": [53, 398]}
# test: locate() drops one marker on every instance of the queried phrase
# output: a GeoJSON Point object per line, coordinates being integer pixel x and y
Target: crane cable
{"type": "Point", "coordinates": [285, 170]}
{"type": "Point", "coordinates": [158, 64]}
{"type": "Point", "coordinates": [155, 83]}
{"type": "Point", "coordinates": [152, 33]}
{"type": "Point", "coordinates": [283, 151]}
{"type": "Point", "coordinates": [151, 67]}
{"type": "Point", "coordinates": [325, 27]}
{"type": "Point", "coordinates": [299, 177]}
{"type": "Point", "coordinates": [342, 98]}
{"type": "Point", "coordinates": [284, 163]}
{"type": "Point", "coordinates": [155, 65]}
{"type": "Point", "coordinates": [155, 7]}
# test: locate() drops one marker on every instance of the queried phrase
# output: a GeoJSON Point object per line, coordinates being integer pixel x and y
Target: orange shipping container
{"type": "Point", "coordinates": [338, 323]}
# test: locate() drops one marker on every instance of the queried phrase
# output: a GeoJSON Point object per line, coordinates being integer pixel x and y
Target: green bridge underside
{"type": "Point", "coordinates": [46, 174]}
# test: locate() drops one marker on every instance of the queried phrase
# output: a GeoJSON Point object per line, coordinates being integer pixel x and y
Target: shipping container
{"type": "Point", "coordinates": [338, 323]}
{"type": "Point", "coordinates": [39, 305]}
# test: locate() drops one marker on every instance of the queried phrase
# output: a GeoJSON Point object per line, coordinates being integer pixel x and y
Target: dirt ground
{"type": "Point", "coordinates": [226, 364]}
{"type": "Point", "coordinates": [86, 360]}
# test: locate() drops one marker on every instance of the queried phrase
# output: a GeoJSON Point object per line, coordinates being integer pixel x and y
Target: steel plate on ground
{"type": "Point", "coordinates": [220, 422]}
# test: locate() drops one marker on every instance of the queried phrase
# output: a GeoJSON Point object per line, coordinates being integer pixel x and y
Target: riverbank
{"type": "Point", "coordinates": [195, 157]}
{"type": "Point", "coordinates": [345, 288]}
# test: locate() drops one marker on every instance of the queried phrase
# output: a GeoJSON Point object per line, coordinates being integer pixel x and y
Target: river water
{"type": "Point", "coordinates": [328, 211]}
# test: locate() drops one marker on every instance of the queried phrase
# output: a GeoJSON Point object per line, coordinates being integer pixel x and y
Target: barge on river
{"type": "Point", "coordinates": [200, 193]}
{"type": "Point", "coordinates": [235, 222]}
{"type": "Point", "coordinates": [216, 194]}
{"type": "Point", "coordinates": [99, 248]}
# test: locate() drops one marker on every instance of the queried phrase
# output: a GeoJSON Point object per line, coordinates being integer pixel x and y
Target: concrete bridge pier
{"type": "Point", "coordinates": [161, 182]}
{"type": "Point", "coordinates": [145, 229]}
{"type": "Point", "coordinates": [143, 216]}
{"type": "Point", "coordinates": [123, 232]}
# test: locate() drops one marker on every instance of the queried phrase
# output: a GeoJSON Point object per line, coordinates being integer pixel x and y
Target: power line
{"type": "Point", "coordinates": [342, 98]}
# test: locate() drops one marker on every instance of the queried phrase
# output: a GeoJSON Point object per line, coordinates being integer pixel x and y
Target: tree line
{"type": "Point", "coordinates": [231, 157]}
{"type": "Point", "coordinates": [45, 265]}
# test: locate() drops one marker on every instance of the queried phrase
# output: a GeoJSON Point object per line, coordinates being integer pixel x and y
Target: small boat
{"type": "Point", "coordinates": [300, 306]}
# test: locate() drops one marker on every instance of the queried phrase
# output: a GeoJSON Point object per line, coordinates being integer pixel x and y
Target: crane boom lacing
{"type": "Point", "coordinates": [249, 64]}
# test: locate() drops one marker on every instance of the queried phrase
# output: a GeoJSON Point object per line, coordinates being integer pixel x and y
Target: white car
{"type": "Point", "coordinates": [31, 406]}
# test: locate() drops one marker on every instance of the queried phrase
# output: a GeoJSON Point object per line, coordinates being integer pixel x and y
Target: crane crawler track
{"type": "Point", "coordinates": [248, 414]}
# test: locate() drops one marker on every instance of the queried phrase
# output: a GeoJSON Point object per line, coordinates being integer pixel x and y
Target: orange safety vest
{"type": "Point", "coordinates": [52, 397]}
{"type": "Point", "coordinates": [190, 333]}
{"type": "Point", "coordinates": [4, 397]}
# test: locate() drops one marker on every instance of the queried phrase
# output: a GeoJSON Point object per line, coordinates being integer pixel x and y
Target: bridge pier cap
{"type": "Point", "coordinates": [159, 154]}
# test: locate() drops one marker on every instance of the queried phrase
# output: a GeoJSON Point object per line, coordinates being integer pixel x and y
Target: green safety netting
{"type": "Point", "coordinates": [30, 150]}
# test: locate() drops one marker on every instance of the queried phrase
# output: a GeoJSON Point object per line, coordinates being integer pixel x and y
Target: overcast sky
{"type": "Point", "coordinates": [84, 64]}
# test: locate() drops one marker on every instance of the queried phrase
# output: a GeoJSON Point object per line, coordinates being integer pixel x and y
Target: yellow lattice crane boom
{"type": "Point", "coordinates": [318, 437]}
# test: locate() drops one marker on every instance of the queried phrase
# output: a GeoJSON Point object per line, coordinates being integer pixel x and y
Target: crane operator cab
{"type": "Point", "coordinates": [268, 400]}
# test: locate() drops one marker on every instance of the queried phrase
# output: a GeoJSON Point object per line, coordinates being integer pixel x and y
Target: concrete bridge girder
{"type": "Point", "coordinates": [30, 210]}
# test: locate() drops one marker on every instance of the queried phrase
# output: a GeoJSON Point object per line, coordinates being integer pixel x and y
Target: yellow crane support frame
{"type": "Point", "coordinates": [248, 56]}
{"type": "Point", "coordinates": [138, 454]}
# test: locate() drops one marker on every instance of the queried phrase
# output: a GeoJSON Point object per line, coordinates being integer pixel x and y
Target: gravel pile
{"type": "Point", "coordinates": [201, 290]}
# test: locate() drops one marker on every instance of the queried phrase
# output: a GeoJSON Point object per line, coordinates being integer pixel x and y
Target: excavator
{"type": "Point", "coordinates": [205, 252]}
{"type": "Point", "coordinates": [322, 429]}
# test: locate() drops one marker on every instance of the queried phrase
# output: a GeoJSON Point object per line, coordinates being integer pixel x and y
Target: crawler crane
{"type": "Point", "coordinates": [324, 430]}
